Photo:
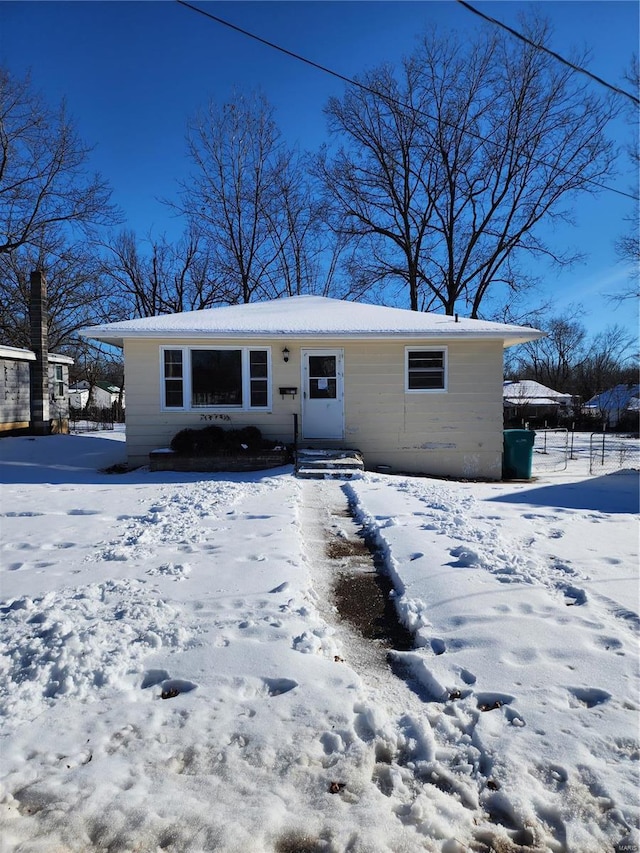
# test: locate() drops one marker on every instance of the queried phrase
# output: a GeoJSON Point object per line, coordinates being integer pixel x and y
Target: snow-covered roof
{"type": "Point", "coordinates": [617, 399]}
{"type": "Point", "coordinates": [528, 391]}
{"type": "Point", "coordinates": [19, 354]}
{"type": "Point", "coordinates": [309, 317]}
{"type": "Point", "coordinates": [108, 387]}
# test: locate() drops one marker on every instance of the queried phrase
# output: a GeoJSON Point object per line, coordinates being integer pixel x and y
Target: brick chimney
{"type": "Point", "coordinates": [39, 386]}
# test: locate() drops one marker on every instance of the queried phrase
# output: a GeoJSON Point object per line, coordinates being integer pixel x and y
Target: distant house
{"type": "Point", "coordinates": [103, 395]}
{"type": "Point", "coordinates": [15, 389]}
{"type": "Point", "coordinates": [528, 400]}
{"type": "Point", "coordinates": [414, 391]}
{"type": "Point", "coordinates": [613, 405]}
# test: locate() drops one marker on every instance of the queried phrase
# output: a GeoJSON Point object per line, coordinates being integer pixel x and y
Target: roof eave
{"type": "Point", "coordinates": [117, 338]}
{"type": "Point", "coordinates": [523, 337]}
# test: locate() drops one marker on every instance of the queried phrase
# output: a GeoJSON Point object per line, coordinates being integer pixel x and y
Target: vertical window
{"type": "Point", "coordinates": [426, 369]}
{"type": "Point", "coordinates": [58, 380]}
{"type": "Point", "coordinates": [258, 379]}
{"type": "Point", "coordinates": [173, 379]}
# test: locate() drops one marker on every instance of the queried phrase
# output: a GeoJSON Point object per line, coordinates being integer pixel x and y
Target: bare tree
{"type": "Point", "coordinates": [293, 227]}
{"type": "Point", "coordinates": [44, 181]}
{"type": "Point", "coordinates": [381, 185]}
{"type": "Point", "coordinates": [157, 277]}
{"type": "Point", "coordinates": [551, 360]}
{"type": "Point", "coordinates": [95, 362]}
{"type": "Point", "coordinates": [612, 359]}
{"type": "Point", "coordinates": [568, 360]}
{"type": "Point", "coordinates": [77, 295]}
{"type": "Point", "coordinates": [446, 175]}
{"type": "Point", "coordinates": [249, 198]}
{"type": "Point", "coordinates": [234, 149]}
{"type": "Point", "coordinates": [628, 245]}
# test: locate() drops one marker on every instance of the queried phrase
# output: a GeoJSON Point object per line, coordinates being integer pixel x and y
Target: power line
{"type": "Point", "coordinates": [352, 82]}
{"type": "Point", "coordinates": [555, 55]}
{"type": "Point", "coordinates": [284, 50]}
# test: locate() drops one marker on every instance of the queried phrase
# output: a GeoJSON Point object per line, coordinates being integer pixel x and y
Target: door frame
{"type": "Point", "coordinates": [338, 352]}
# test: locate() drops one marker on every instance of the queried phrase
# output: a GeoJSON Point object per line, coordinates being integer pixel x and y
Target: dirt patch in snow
{"type": "Point", "coordinates": [362, 590]}
{"type": "Point", "coordinates": [363, 599]}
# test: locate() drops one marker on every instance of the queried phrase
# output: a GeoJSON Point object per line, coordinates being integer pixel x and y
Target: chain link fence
{"type": "Point", "coordinates": [609, 453]}
{"type": "Point", "coordinates": [550, 450]}
{"type": "Point", "coordinates": [92, 419]}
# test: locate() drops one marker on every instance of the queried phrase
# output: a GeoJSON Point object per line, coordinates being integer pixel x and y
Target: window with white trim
{"type": "Point", "coordinates": [172, 379]}
{"type": "Point", "coordinates": [425, 369]}
{"type": "Point", "coordinates": [58, 380]}
{"type": "Point", "coordinates": [196, 378]}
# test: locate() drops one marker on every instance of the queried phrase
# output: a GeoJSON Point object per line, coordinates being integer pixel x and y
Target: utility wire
{"type": "Point", "coordinates": [555, 55]}
{"type": "Point", "coordinates": [278, 47]}
{"type": "Point", "coordinates": [352, 82]}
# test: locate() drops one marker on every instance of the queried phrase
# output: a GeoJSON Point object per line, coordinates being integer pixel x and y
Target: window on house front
{"type": "Point", "coordinates": [205, 378]}
{"type": "Point", "coordinates": [216, 377]}
{"type": "Point", "coordinates": [173, 379]}
{"type": "Point", "coordinates": [426, 369]}
{"type": "Point", "coordinates": [258, 379]}
{"type": "Point", "coordinates": [58, 380]}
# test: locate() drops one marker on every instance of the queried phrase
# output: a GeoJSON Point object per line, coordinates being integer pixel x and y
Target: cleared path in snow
{"type": "Point", "coordinates": [426, 758]}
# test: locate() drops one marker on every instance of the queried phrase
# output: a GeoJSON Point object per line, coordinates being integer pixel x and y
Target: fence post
{"type": "Point", "coordinates": [573, 430]}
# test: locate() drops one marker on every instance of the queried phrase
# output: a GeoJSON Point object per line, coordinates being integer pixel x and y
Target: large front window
{"type": "Point", "coordinates": [216, 377]}
{"type": "Point", "coordinates": [207, 378]}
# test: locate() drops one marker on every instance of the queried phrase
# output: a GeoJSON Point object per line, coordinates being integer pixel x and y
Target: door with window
{"type": "Point", "coordinates": [323, 397]}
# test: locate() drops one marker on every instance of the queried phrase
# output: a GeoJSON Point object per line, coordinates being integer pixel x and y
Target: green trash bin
{"type": "Point", "coordinates": [517, 457]}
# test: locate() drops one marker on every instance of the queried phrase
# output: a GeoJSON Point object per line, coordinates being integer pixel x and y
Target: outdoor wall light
{"type": "Point", "coordinates": [285, 354]}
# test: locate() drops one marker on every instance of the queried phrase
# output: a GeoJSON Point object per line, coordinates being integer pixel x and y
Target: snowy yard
{"type": "Point", "coordinates": [175, 678]}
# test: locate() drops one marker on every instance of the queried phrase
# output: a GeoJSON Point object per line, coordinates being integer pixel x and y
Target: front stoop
{"type": "Point", "coordinates": [314, 464]}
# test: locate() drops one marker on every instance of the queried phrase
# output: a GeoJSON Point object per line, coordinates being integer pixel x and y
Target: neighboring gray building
{"type": "Point", "coordinates": [15, 396]}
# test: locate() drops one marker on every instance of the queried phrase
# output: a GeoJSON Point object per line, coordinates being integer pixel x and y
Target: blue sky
{"type": "Point", "coordinates": [133, 73]}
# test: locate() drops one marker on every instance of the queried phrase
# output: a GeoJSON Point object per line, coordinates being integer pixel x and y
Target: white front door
{"type": "Point", "coordinates": [322, 397]}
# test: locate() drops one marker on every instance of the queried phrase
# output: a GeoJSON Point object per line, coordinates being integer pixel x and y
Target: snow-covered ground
{"type": "Point", "coordinates": [175, 678]}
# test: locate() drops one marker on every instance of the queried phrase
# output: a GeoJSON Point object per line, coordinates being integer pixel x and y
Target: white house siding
{"type": "Point", "coordinates": [455, 433]}
{"type": "Point", "coordinates": [149, 428]}
{"type": "Point", "coordinates": [78, 397]}
{"type": "Point", "coordinates": [101, 398]}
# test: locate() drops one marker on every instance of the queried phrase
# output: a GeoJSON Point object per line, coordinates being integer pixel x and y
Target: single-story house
{"type": "Point", "coordinates": [418, 392]}
{"type": "Point", "coordinates": [530, 399]}
{"type": "Point", "coordinates": [612, 405]}
{"type": "Point", "coordinates": [104, 395]}
{"type": "Point", "coordinates": [15, 389]}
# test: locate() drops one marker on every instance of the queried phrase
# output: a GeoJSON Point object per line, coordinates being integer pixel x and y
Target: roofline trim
{"type": "Point", "coordinates": [510, 339]}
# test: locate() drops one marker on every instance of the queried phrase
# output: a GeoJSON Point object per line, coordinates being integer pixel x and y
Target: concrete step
{"type": "Point", "coordinates": [306, 473]}
{"type": "Point", "coordinates": [346, 463]}
{"type": "Point", "coordinates": [333, 464]}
